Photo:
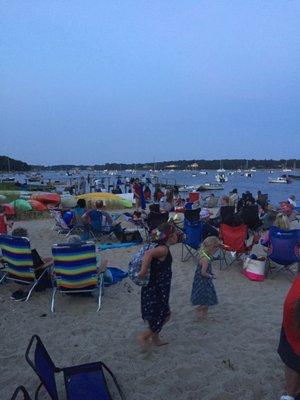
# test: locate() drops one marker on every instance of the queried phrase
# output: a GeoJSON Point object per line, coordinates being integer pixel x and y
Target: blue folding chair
{"type": "Point", "coordinates": [284, 250]}
{"type": "Point", "coordinates": [192, 239]}
{"type": "Point", "coordinates": [20, 394]}
{"type": "Point", "coordinates": [82, 382]}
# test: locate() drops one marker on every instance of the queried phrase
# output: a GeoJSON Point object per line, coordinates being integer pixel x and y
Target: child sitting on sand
{"type": "Point", "coordinates": [203, 291]}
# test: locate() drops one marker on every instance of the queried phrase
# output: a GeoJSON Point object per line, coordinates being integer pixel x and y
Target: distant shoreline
{"type": "Point", "coordinates": [8, 164]}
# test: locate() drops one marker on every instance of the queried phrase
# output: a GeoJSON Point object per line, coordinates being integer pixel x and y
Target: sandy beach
{"type": "Point", "coordinates": [230, 356]}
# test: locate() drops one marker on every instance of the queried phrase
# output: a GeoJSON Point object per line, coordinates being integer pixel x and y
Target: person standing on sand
{"type": "Point", "coordinates": [155, 296]}
{"type": "Point", "coordinates": [137, 192]}
{"type": "Point", "coordinates": [203, 291]}
{"type": "Point", "coordinates": [289, 344]}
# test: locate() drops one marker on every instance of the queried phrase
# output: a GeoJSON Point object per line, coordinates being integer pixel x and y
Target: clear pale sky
{"type": "Point", "coordinates": [91, 81]}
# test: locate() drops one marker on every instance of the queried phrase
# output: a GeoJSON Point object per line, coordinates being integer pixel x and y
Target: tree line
{"type": "Point", "coordinates": [9, 164]}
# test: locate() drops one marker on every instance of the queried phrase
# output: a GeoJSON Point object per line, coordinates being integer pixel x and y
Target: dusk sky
{"type": "Point", "coordinates": [93, 81]}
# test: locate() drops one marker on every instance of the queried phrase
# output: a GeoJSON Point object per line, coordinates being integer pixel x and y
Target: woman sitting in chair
{"type": "Point", "coordinates": [99, 220]}
{"type": "Point", "coordinates": [282, 222]}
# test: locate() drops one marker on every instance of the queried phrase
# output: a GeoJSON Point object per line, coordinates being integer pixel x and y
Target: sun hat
{"type": "Point", "coordinates": [204, 213]}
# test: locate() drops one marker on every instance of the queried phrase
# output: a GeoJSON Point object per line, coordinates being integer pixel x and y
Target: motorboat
{"type": "Point", "coordinates": [221, 178]}
{"type": "Point", "coordinates": [187, 188]}
{"type": "Point", "coordinates": [280, 179]}
{"type": "Point", "coordinates": [203, 172]}
{"type": "Point", "coordinates": [210, 186]}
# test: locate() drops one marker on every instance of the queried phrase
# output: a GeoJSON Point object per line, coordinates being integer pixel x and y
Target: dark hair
{"type": "Point", "coordinates": [1, 209]}
{"type": "Point", "coordinates": [99, 204]}
{"type": "Point", "coordinates": [20, 232]}
{"type": "Point", "coordinates": [81, 203]}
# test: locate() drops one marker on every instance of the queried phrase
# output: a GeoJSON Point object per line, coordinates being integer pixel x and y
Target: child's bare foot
{"type": "Point", "coordinates": [158, 342]}
{"type": "Point", "coordinates": [144, 342]}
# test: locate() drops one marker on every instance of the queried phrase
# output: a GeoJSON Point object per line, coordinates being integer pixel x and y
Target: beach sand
{"type": "Point", "coordinates": [230, 356]}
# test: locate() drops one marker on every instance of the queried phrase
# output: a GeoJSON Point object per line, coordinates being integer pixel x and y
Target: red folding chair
{"type": "Point", "coordinates": [234, 241]}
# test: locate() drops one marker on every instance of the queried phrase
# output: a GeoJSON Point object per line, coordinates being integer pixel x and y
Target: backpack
{"type": "Point", "coordinates": [135, 265]}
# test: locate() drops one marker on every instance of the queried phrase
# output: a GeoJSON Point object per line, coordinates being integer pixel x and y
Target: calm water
{"type": "Point", "coordinates": [258, 181]}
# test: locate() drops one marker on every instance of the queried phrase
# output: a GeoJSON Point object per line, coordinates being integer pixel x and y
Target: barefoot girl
{"type": "Point", "coordinates": [155, 296]}
{"type": "Point", "coordinates": [203, 291]}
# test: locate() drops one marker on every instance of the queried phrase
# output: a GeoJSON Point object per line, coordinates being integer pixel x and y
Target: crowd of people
{"type": "Point", "coordinates": [256, 213]}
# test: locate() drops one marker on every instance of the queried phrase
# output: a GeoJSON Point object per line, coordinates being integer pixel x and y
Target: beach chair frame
{"type": "Point", "coordinates": [285, 255]}
{"type": "Point", "coordinates": [8, 262]}
{"type": "Point", "coordinates": [42, 364]}
{"type": "Point", "coordinates": [20, 389]}
{"type": "Point", "coordinates": [57, 273]}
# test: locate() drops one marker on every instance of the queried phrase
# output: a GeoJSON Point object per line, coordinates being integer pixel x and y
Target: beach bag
{"type": "Point", "coordinates": [135, 265]}
{"type": "Point", "coordinates": [254, 269]}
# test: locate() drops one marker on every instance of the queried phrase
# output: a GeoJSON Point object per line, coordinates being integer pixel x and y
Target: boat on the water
{"type": "Point", "coordinates": [200, 188]}
{"type": "Point", "coordinates": [210, 186]}
{"type": "Point", "coordinates": [280, 179]}
{"type": "Point", "coordinates": [187, 188]}
{"type": "Point", "coordinates": [6, 180]}
{"type": "Point", "coordinates": [221, 178]}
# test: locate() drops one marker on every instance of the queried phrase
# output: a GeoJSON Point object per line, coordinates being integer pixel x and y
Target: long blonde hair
{"type": "Point", "coordinates": [207, 244]}
{"type": "Point", "coordinates": [282, 222]}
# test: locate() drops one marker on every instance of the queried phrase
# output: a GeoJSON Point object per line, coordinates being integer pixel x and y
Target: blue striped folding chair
{"type": "Point", "coordinates": [75, 270]}
{"type": "Point", "coordinates": [18, 261]}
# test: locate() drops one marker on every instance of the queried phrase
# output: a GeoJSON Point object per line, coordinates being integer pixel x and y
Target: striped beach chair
{"type": "Point", "coordinates": [18, 261]}
{"type": "Point", "coordinates": [75, 270]}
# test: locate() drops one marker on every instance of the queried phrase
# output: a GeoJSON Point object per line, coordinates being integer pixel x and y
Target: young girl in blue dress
{"type": "Point", "coordinates": [203, 291]}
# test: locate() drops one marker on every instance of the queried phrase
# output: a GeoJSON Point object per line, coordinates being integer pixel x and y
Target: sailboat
{"type": "Point", "coordinates": [247, 172]}
{"type": "Point", "coordinates": [221, 169]}
{"type": "Point", "coordinates": [286, 169]}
